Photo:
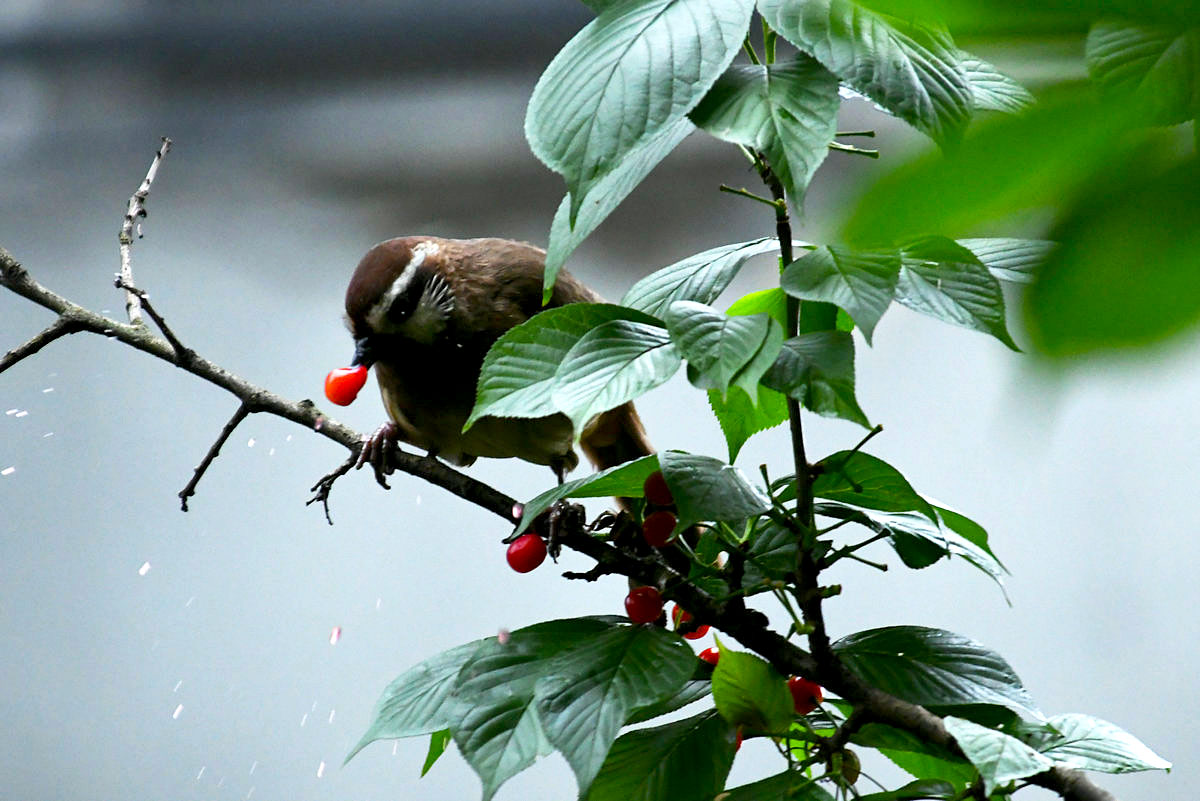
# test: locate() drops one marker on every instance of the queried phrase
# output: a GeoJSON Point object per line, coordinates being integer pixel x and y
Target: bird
{"type": "Point", "coordinates": [423, 312]}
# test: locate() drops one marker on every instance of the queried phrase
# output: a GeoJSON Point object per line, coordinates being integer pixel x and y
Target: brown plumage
{"type": "Point", "coordinates": [424, 311]}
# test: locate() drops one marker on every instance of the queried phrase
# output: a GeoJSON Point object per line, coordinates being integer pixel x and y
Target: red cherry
{"type": "Point", "coordinates": [679, 616]}
{"type": "Point", "coordinates": [656, 491]}
{"type": "Point", "coordinates": [657, 528]}
{"type": "Point", "coordinates": [643, 604]}
{"type": "Point", "coordinates": [737, 745]}
{"type": "Point", "coordinates": [343, 383]}
{"type": "Point", "coordinates": [526, 552]}
{"type": "Point", "coordinates": [805, 694]}
{"type": "Point", "coordinates": [711, 656]}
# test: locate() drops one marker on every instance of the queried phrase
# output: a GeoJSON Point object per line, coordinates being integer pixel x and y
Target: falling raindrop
{"type": "Point", "coordinates": [249, 793]}
{"type": "Point", "coordinates": [378, 601]}
{"type": "Point", "coordinates": [288, 438]}
{"type": "Point", "coordinates": [24, 413]}
{"type": "Point", "coordinates": [331, 713]}
{"type": "Point", "coordinates": [304, 720]}
{"type": "Point", "coordinates": [250, 442]}
{"type": "Point", "coordinates": [418, 500]}
{"type": "Point", "coordinates": [253, 767]}
{"type": "Point", "coordinates": [201, 773]}
{"type": "Point", "coordinates": [394, 746]}
{"type": "Point", "coordinates": [314, 707]}
{"type": "Point", "coordinates": [8, 471]}
{"type": "Point", "coordinates": [335, 635]}
{"type": "Point", "coordinates": [221, 783]}
{"type": "Point", "coordinates": [144, 569]}
{"type": "Point", "coordinates": [48, 434]}
{"type": "Point", "coordinates": [47, 390]}
{"type": "Point", "coordinates": [178, 710]}
{"type": "Point", "coordinates": [12, 411]}
{"type": "Point", "coordinates": [271, 452]}
{"type": "Point", "coordinates": [178, 684]}
{"type": "Point", "coordinates": [321, 770]}
{"type": "Point", "coordinates": [190, 601]}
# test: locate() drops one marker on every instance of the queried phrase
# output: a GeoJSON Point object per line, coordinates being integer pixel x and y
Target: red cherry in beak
{"type": "Point", "coordinates": [343, 383]}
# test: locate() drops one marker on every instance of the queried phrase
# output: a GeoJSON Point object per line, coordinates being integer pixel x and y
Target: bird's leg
{"type": "Point", "coordinates": [375, 450]}
{"type": "Point", "coordinates": [557, 511]}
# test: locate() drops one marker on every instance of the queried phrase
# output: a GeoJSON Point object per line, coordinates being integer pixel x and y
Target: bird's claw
{"type": "Point", "coordinates": [376, 449]}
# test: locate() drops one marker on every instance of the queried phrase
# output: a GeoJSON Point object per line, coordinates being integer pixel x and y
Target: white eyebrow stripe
{"type": "Point", "coordinates": [377, 315]}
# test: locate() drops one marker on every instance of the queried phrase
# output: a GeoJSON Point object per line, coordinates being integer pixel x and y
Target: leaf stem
{"type": "Point", "coordinates": [858, 151]}
{"type": "Point", "coordinates": [870, 134]}
{"type": "Point", "coordinates": [750, 54]}
{"type": "Point", "coordinates": [747, 194]}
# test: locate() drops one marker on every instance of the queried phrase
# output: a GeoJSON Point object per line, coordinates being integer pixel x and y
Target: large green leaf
{"type": "Point", "coordinates": [1000, 758]}
{"type": "Point", "coordinates": [915, 791]}
{"type": "Point", "coordinates": [705, 488]}
{"type": "Point", "coordinates": [701, 277]}
{"type": "Point", "coordinates": [911, 69]}
{"type": "Point", "coordinates": [1010, 259]}
{"type": "Point", "coordinates": [613, 363]}
{"type": "Point", "coordinates": [687, 760]}
{"type": "Point", "coordinates": [749, 692]}
{"type": "Point", "coordinates": [791, 785]}
{"type": "Point", "coordinates": [418, 701]}
{"type": "Point", "coordinates": [861, 283]}
{"type": "Point", "coordinates": [946, 281]}
{"type": "Point", "coordinates": [916, 756]}
{"type": "Point", "coordinates": [437, 746]}
{"type": "Point", "coordinates": [818, 370]}
{"type": "Point", "coordinates": [991, 89]}
{"type": "Point", "coordinates": [496, 727]}
{"type": "Point", "coordinates": [623, 480]}
{"type": "Point", "coordinates": [718, 346]}
{"type": "Point", "coordinates": [934, 668]}
{"type": "Point", "coordinates": [517, 377]}
{"type": "Point", "coordinates": [866, 481]}
{"type": "Point", "coordinates": [632, 71]}
{"type": "Point", "coordinates": [741, 419]}
{"type": "Point", "coordinates": [1127, 272]}
{"type": "Point", "coordinates": [689, 693]}
{"type": "Point", "coordinates": [1089, 743]}
{"type": "Point", "coordinates": [787, 110]}
{"type": "Point", "coordinates": [1156, 67]}
{"type": "Point", "coordinates": [771, 555]}
{"type": "Point", "coordinates": [604, 196]}
{"type": "Point", "coordinates": [590, 690]}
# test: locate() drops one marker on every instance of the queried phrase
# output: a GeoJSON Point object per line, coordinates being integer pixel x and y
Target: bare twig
{"type": "Point", "coordinates": [59, 328]}
{"type": "Point", "coordinates": [241, 414]}
{"type": "Point", "coordinates": [182, 353]}
{"type": "Point", "coordinates": [135, 212]}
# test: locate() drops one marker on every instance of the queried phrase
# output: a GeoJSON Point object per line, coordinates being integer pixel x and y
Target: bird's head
{"type": "Point", "coordinates": [398, 292]}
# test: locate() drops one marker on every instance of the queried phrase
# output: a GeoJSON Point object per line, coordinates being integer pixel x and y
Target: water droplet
{"type": "Point", "coordinates": [47, 390]}
{"type": "Point", "coordinates": [394, 746]}
{"type": "Point", "coordinates": [331, 713]}
{"type": "Point", "coordinates": [249, 793]}
{"type": "Point", "coordinates": [221, 783]}
{"type": "Point", "coordinates": [418, 500]}
{"type": "Point", "coordinates": [314, 707]}
{"type": "Point", "coordinates": [335, 635]}
{"type": "Point", "coordinates": [190, 601]}
{"type": "Point", "coordinates": [201, 773]}
{"type": "Point", "coordinates": [253, 767]}
{"type": "Point", "coordinates": [8, 471]}
{"type": "Point", "coordinates": [24, 413]}
{"type": "Point", "coordinates": [178, 684]}
{"type": "Point", "coordinates": [12, 411]}
{"type": "Point", "coordinates": [250, 442]}
{"type": "Point", "coordinates": [320, 770]}
{"type": "Point", "coordinates": [288, 438]}
{"type": "Point", "coordinates": [271, 452]}
{"type": "Point", "coordinates": [48, 434]}
{"type": "Point", "coordinates": [378, 601]}
{"type": "Point", "coordinates": [304, 720]}
{"type": "Point", "coordinates": [178, 710]}
{"type": "Point", "coordinates": [144, 569]}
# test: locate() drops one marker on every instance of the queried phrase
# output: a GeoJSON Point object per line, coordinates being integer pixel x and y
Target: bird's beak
{"type": "Point", "coordinates": [363, 353]}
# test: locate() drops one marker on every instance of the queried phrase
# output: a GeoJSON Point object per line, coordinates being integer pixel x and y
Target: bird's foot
{"type": "Point", "coordinates": [562, 516]}
{"type": "Point", "coordinates": [376, 450]}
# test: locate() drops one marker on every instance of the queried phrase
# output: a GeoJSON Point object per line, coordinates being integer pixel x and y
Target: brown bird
{"type": "Point", "coordinates": [424, 311]}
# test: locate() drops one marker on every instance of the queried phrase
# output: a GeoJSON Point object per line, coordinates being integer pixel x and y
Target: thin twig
{"type": "Point", "coordinates": [61, 327]}
{"type": "Point", "coordinates": [182, 352]}
{"type": "Point", "coordinates": [858, 151]}
{"type": "Point", "coordinates": [133, 213]}
{"type": "Point", "coordinates": [746, 194]}
{"type": "Point", "coordinates": [241, 414]}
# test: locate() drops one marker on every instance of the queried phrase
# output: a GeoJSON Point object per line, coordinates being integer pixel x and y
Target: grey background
{"type": "Point", "coordinates": [307, 132]}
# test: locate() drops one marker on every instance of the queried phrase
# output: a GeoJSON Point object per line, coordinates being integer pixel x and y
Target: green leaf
{"type": "Point", "coordinates": [689, 693]}
{"type": "Point", "coordinates": [919, 758]}
{"type": "Point", "coordinates": [437, 746]}
{"type": "Point", "coordinates": [911, 69]}
{"type": "Point", "coordinates": [862, 480]}
{"type": "Point", "coordinates": [418, 701]}
{"type": "Point", "coordinates": [687, 760]}
{"type": "Point", "coordinates": [791, 785]}
{"type": "Point", "coordinates": [517, 377]}
{"type": "Point", "coordinates": [860, 283]}
{"type": "Point", "coordinates": [913, 791]}
{"type": "Point", "coordinates": [991, 89]}
{"type": "Point", "coordinates": [1089, 743]}
{"type": "Point", "coordinates": [771, 301]}
{"type": "Point", "coordinates": [623, 481]}
{"type": "Point", "coordinates": [771, 555]}
{"type": "Point", "coordinates": [1010, 259]}
{"type": "Point", "coordinates": [613, 363]}
{"type": "Point", "coordinates": [719, 347]}
{"type": "Point", "coordinates": [787, 110]}
{"type": "Point", "coordinates": [1126, 273]}
{"type": "Point", "coordinates": [497, 729]}
{"type": "Point", "coordinates": [944, 280]}
{"type": "Point", "coordinates": [589, 691]}
{"type": "Point", "coordinates": [749, 692]}
{"type": "Point", "coordinates": [702, 277]}
{"type": "Point", "coordinates": [1154, 67]}
{"type": "Point", "coordinates": [705, 488]}
{"type": "Point", "coordinates": [740, 419]}
{"type": "Point", "coordinates": [818, 370]}
{"type": "Point", "coordinates": [936, 668]}
{"type": "Point", "coordinates": [635, 69]}
{"type": "Point", "coordinates": [969, 530]}
{"type": "Point", "coordinates": [607, 193]}
{"type": "Point", "coordinates": [998, 757]}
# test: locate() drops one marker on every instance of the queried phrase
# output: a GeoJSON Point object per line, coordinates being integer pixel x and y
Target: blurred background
{"type": "Point", "coordinates": [154, 654]}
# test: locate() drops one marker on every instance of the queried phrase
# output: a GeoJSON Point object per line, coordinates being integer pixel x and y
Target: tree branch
{"type": "Point", "coordinates": [133, 213]}
{"type": "Point", "coordinates": [59, 328]}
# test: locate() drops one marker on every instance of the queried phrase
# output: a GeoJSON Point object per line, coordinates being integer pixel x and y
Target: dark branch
{"type": "Point", "coordinates": [241, 414]}
{"type": "Point", "coordinates": [64, 325]}
{"type": "Point", "coordinates": [182, 353]}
